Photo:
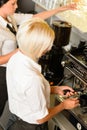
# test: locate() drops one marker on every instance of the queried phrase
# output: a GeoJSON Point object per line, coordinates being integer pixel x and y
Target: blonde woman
{"type": "Point", "coordinates": [28, 90]}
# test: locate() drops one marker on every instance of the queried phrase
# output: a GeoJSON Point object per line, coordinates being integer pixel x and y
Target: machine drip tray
{"type": "Point", "coordinates": [78, 120]}
{"type": "Point", "coordinates": [77, 116]}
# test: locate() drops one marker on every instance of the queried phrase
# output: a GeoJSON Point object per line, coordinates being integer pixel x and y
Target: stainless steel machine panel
{"type": "Point", "coordinates": [76, 77]}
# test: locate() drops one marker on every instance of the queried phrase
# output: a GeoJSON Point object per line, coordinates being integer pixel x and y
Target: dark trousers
{"type": "Point", "coordinates": [3, 89]}
{"type": "Point", "coordinates": [19, 124]}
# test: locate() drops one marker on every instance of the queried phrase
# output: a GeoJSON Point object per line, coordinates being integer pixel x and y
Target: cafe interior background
{"type": "Point", "coordinates": [66, 63]}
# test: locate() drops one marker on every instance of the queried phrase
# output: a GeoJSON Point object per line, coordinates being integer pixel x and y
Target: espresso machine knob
{"type": "Point", "coordinates": [63, 63]}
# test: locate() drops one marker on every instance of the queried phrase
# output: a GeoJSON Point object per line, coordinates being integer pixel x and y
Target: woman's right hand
{"type": "Point", "coordinates": [72, 6]}
{"type": "Point", "coordinates": [71, 103]}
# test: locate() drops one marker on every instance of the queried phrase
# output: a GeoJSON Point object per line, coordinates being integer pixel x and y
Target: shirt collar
{"type": "Point", "coordinates": [35, 65]}
{"type": "Point", "coordinates": [3, 22]}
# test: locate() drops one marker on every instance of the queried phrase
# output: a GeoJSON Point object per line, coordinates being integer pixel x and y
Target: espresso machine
{"type": "Point", "coordinates": [75, 75]}
{"type": "Point", "coordinates": [51, 62]}
{"type": "Point", "coordinates": [69, 68]}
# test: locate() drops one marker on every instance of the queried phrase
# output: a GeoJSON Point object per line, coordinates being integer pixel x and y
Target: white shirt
{"type": "Point", "coordinates": [28, 90]}
{"type": "Point", "coordinates": [7, 38]}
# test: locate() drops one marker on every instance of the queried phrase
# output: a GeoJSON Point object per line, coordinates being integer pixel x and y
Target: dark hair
{"type": "Point", "coordinates": [2, 2]}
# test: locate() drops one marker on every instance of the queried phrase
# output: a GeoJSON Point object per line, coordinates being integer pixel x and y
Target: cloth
{"type": "Point", "coordinates": [3, 89]}
{"type": "Point", "coordinates": [27, 89]}
{"type": "Point", "coordinates": [7, 38]}
{"type": "Point", "coordinates": [7, 44]}
{"type": "Point", "coordinates": [19, 124]}
{"type": "Point", "coordinates": [11, 29]}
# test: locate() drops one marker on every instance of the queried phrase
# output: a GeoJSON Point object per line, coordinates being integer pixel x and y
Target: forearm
{"type": "Point", "coordinates": [47, 14]}
{"type": "Point", "coordinates": [69, 103]}
{"type": "Point", "coordinates": [54, 89]}
{"type": "Point", "coordinates": [52, 112]}
{"type": "Point", "coordinates": [4, 58]}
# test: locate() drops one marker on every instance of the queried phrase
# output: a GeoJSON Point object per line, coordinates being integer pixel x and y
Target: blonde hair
{"type": "Point", "coordinates": [35, 37]}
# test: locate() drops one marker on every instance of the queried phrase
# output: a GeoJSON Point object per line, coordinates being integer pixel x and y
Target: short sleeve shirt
{"type": "Point", "coordinates": [28, 90]}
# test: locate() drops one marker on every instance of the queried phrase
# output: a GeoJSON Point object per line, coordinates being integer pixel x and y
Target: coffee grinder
{"type": "Point", "coordinates": [51, 62]}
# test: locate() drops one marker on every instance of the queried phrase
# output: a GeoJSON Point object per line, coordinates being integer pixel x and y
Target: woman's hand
{"type": "Point", "coordinates": [70, 103]}
{"type": "Point", "coordinates": [62, 90]}
{"type": "Point", "coordinates": [66, 90]}
{"type": "Point", "coordinates": [71, 6]}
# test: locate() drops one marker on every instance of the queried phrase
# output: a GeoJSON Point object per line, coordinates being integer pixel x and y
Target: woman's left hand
{"type": "Point", "coordinates": [63, 90]}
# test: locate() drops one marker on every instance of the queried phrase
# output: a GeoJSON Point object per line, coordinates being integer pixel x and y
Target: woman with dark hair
{"type": "Point", "coordinates": [8, 28]}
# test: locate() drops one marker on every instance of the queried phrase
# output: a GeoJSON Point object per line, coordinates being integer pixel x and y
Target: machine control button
{"type": "Point", "coordinates": [79, 127]}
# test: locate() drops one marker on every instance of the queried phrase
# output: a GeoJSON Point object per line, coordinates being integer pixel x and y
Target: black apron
{"type": "Point", "coordinates": [19, 124]}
